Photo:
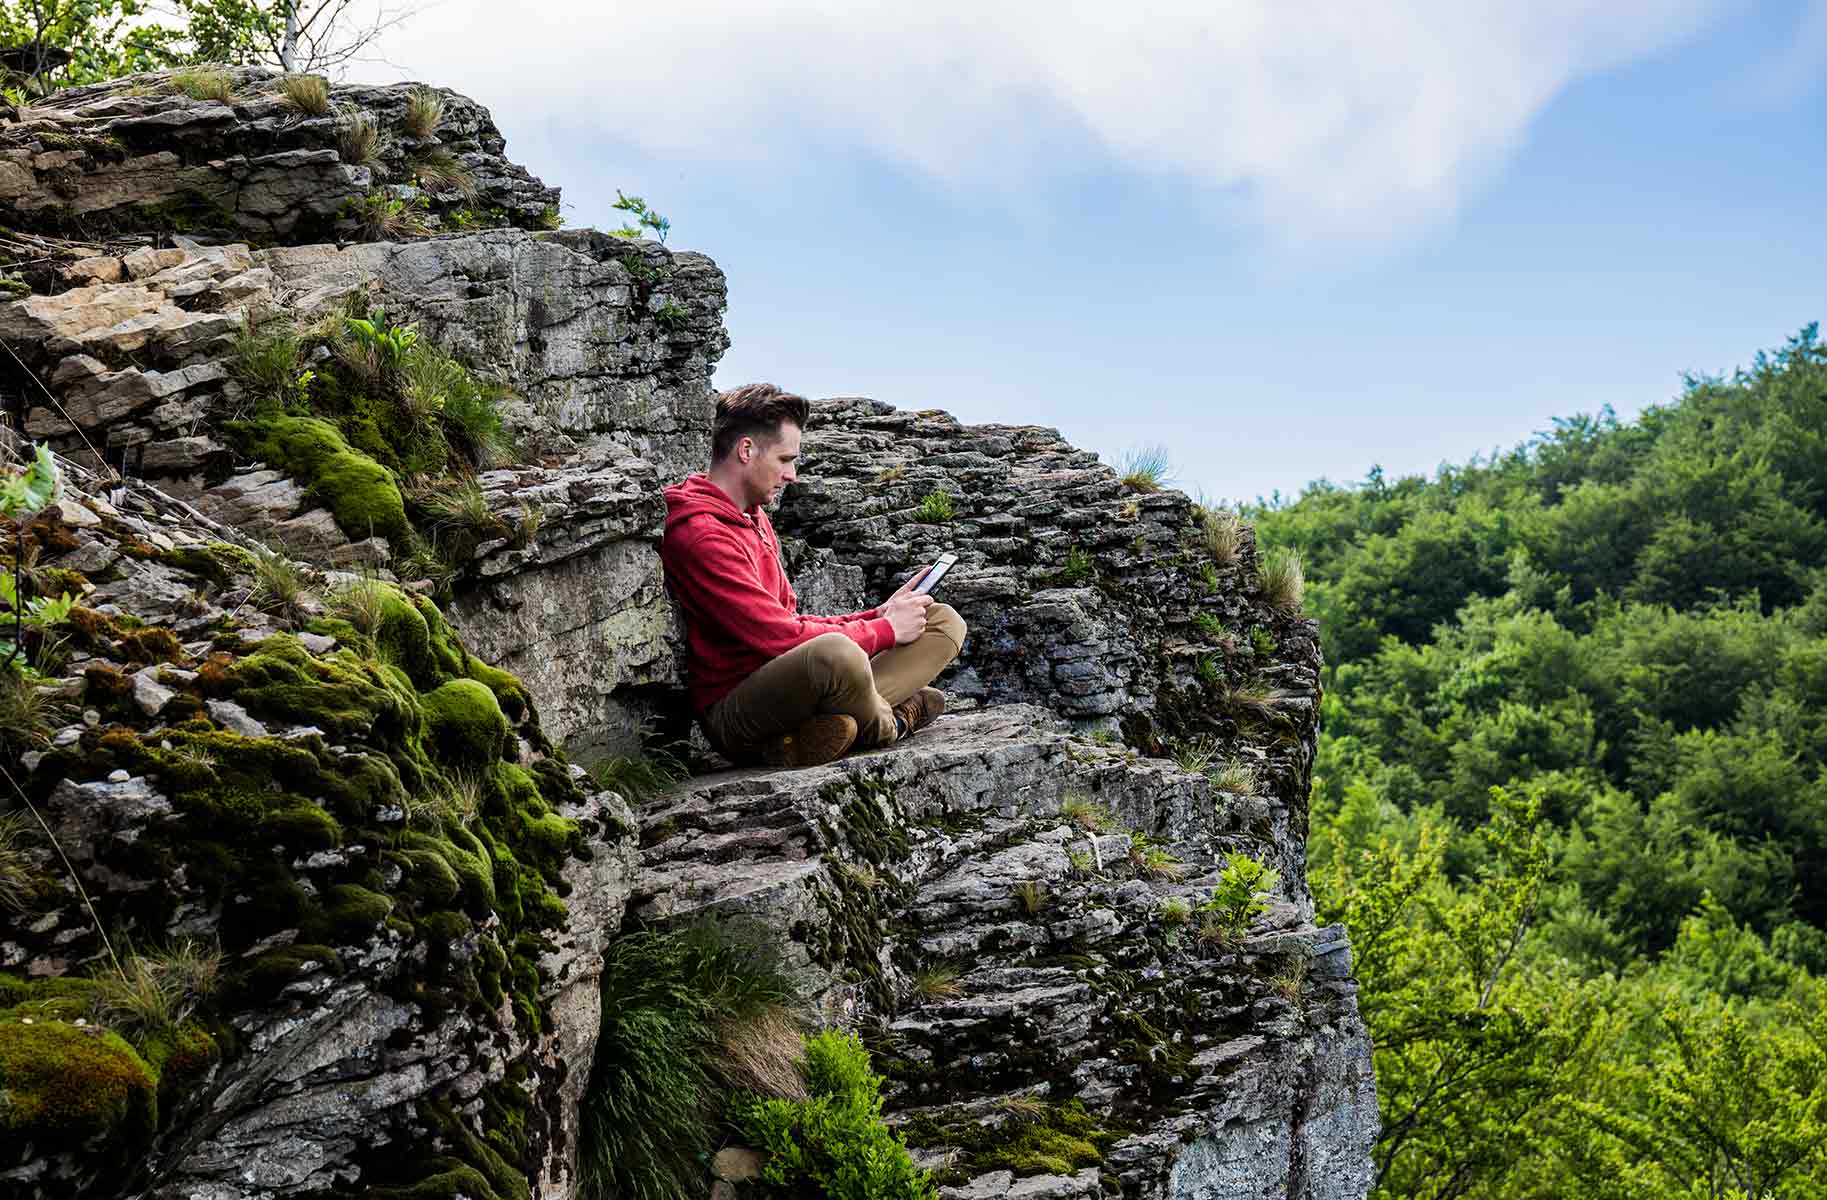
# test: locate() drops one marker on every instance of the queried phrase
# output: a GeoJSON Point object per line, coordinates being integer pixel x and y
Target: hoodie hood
{"type": "Point", "coordinates": [697, 494]}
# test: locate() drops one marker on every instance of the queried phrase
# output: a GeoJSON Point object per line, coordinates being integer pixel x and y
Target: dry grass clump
{"type": "Point", "coordinates": [1283, 581]}
{"type": "Point", "coordinates": [309, 94]}
{"type": "Point", "coordinates": [18, 871]}
{"type": "Point", "coordinates": [157, 991]}
{"type": "Point", "coordinates": [938, 981]}
{"type": "Point", "coordinates": [1291, 980]}
{"type": "Point", "coordinates": [1222, 532]}
{"type": "Point", "coordinates": [1086, 813]}
{"type": "Point", "coordinates": [26, 714]}
{"type": "Point", "coordinates": [1234, 776]}
{"type": "Point", "coordinates": [282, 587]}
{"type": "Point", "coordinates": [205, 85]}
{"type": "Point", "coordinates": [760, 1052]}
{"type": "Point", "coordinates": [424, 109]}
{"type": "Point", "coordinates": [1250, 700]}
{"type": "Point", "coordinates": [1146, 469]}
{"type": "Point", "coordinates": [360, 141]}
{"type": "Point", "coordinates": [362, 603]}
{"type": "Point", "coordinates": [439, 171]}
{"type": "Point", "coordinates": [462, 516]}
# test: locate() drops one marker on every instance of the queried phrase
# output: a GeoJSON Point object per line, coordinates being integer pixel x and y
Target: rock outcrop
{"type": "Point", "coordinates": [335, 658]}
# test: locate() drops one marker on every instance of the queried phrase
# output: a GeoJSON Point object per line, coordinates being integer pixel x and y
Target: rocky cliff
{"type": "Point", "coordinates": [306, 892]}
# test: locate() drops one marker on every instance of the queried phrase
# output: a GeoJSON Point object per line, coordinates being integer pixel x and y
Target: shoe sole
{"type": "Point", "coordinates": [816, 742]}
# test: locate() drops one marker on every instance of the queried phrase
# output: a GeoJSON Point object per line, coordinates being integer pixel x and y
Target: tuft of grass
{"type": "Point", "coordinates": [1176, 910]}
{"type": "Point", "coordinates": [935, 509]}
{"type": "Point", "coordinates": [19, 875]}
{"type": "Point", "coordinates": [1251, 700]}
{"type": "Point", "coordinates": [1211, 627]}
{"type": "Point", "coordinates": [27, 714]}
{"type": "Point", "coordinates": [1283, 582]}
{"type": "Point", "coordinates": [1081, 862]}
{"type": "Point", "coordinates": [640, 778]}
{"type": "Point", "coordinates": [424, 109]}
{"type": "Point", "coordinates": [674, 1005]}
{"type": "Point", "coordinates": [1206, 670]}
{"type": "Point", "coordinates": [1033, 896]}
{"type": "Point", "coordinates": [1146, 469]}
{"type": "Point", "coordinates": [473, 420]}
{"type": "Point", "coordinates": [1196, 756]}
{"type": "Point", "coordinates": [439, 171]}
{"type": "Point", "coordinates": [266, 363]}
{"type": "Point", "coordinates": [937, 981]}
{"type": "Point", "coordinates": [1291, 980]}
{"type": "Point", "coordinates": [1026, 1109]}
{"type": "Point", "coordinates": [1222, 532]}
{"type": "Point", "coordinates": [1086, 813]}
{"type": "Point", "coordinates": [205, 84]}
{"type": "Point", "coordinates": [282, 586]}
{"type": "Point", "coordinates": [892, 474]}
{"type": "Point", "coordinates": [1078, 567]}
{"type": "Point", "coordinates": [362, 603]}
{"type": "Point", "coordinates": [309, 94]}
{"type": "Point", "coordinates": [1234, 776]}
{"type": "Point", "coordinates": [383, 218]}
{"type": "Point", "coordinates": [1153, 861]}
{"type": "Point", "coordinates": [360, 142]}
{"type": "Point", "coordinates": [461, 516]}
{"type": "Point", "coordinates": [429, 562]}
{"type": "Point", "coordinates": [760, 1052]}
{"type": "Point", "coordinates": [154, 992]}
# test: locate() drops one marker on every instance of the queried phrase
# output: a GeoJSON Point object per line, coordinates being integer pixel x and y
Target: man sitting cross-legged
{"type": "Point", "coordinates": [770, 683]}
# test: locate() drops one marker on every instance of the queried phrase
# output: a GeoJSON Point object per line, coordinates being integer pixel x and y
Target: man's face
{"type": "Point", "coordinates": [770, 465]}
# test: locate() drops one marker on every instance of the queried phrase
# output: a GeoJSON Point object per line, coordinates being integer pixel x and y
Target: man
{"type": "Point", "coordinates": [770, 683]}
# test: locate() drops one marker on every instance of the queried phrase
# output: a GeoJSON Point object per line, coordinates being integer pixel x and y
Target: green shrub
{"type": "Point", "coordinates": [834, 1144]}
{"type": "Point", "coordinates": [1239, 897]}
{"type": "Point", "coordinates": [672, 1005]}
{"type": "Point", "coordinates": [935, 509]}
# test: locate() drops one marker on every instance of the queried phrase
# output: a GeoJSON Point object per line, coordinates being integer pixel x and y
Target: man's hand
{"type": "Point", "coordinates": [907, 613]}
{"type": "Point", "coordinates": [916, 577]}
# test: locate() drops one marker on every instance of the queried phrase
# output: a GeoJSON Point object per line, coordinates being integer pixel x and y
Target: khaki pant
{"type": "Point", "coordinates": [831, 674]}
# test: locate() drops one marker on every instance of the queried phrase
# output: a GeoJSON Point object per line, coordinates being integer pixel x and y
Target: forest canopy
{"type": "Point", "coordinates": [1571, 795]}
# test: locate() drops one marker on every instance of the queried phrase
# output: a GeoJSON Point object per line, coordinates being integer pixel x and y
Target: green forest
{"type": "Point", "coordinates": [1570, 801]}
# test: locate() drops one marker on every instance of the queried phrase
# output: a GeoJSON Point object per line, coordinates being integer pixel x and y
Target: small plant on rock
{"type": "Point", "coordinates": [309, 94]}
{"type": "Point", "coordinates": [1081, 862]}
{"type": "Point", "coordinates": [205, 85]}
{"type": "Point", "coordinates": [1086, 813]}
{"type": "Point", "coordinates": [1283, 582]}
{"type": "Point", "coordinates": [1240, 897]}
{"type": "Point", "coordinates": [1196, 756]}
{"type": "Point", "coordinates": [935, 509]}
{"type": "Point", "coordinates": [266, 363]}
{"type": "Point", "coordinates": [1210, 627]}
{"type": "Point", "coordinates": [671, 317]}
{"type": "Point", "coordinates": [1176, 910]}
{"type": "Point", "coordinates": [424, 109]}
{"type": "Point", "coordinates": [23, 496]}
{"type": "Point", "coordinates": [1145, 470]}
{"type": "Point", "coordinates": [1291, 979]}
{"type": "Point", "coordinates": [384, 218]}
{"type": "Point", "coordinates": [1078, 567]}
{"type": "Point", "coordinates": [461, 515]}
{"type": "Point", "coordinates": [646, 221]}
{"type": "Point", "coordinates": [1263, 643]}
{"type": "Point", "coordinates": [149, 993]}
{"type": "Point", "coordinates": [1250, 700]}
{"type": "Point", "coordinates": [281, 586]}
{"type": "Point", "coordinates": [1032, 896]}
{"type": "Point", "coordinates": [1152, 860]}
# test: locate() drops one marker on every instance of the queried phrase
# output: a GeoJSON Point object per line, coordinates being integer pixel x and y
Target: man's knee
{"type": "Point", "coordinates": [946, 620]}
{"type": "Point", "coordinates": [836, 658]}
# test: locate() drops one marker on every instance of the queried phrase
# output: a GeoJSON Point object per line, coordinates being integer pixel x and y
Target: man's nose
{"type": "Point", "coordinates": [789, 475]}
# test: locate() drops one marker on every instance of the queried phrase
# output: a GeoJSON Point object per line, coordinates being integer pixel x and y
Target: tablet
{"type": "Point", "coordinates": [931, 579]}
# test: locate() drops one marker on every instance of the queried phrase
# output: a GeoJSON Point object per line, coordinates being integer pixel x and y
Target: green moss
{"type": "Point", "coordinates": [180, 1057]}
{"type": "Point", "coordinates": [218, 562]}
{"type": "Point", "coordinates": [305, 827]}
{"type": "Point", "coordinates": [353, 911]}
{"type": "Point", "coordinates": [66, 1084]}
{"type": "Point", "coordinates": [273, 970]}
{"type": "Point", "coordinates": [466, 723]}
{"type": "Point", "coordinates": [1057, 1140]}
{"type": "Point", "coordinates": [359, 492]}
{"type": "Point", "coordinates": [509, 693]}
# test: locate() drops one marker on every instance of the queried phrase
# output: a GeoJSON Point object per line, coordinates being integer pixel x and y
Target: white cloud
{"type": "Point", "coordinates": [1320, 122]}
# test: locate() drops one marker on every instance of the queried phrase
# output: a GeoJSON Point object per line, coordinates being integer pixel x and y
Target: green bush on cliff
{"type": "Point", "coordinates": [835, 1143]}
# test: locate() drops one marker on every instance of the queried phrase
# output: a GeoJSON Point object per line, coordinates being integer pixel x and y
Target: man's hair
{"type": "Point", "coordinates": [756, 410]}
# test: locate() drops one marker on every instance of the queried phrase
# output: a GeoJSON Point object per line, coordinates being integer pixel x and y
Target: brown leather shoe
{"type": "Point", "coordinates": [817, 741]}
{"type": "Point", "coordinates": [920, 709]}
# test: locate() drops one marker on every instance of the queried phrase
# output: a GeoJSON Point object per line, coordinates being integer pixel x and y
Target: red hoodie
{"type": "Point", "coordinates": [723, 569]}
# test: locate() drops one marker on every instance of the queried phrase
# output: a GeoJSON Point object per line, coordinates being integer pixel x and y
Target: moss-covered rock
{"type": "Point", "coordinates": [66, 1084]}
{"type": "Point", "coordinates": [466, 723]}
{"type": "Point", "coordinates": [360, 493]}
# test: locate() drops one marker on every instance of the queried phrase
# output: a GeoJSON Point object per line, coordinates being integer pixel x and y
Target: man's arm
{"type": "Point", "coordinates": [714, 579]}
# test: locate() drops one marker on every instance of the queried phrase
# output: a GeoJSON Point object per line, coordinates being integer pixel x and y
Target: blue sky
{"type": "Point", "coordinates": [1280, 253]}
